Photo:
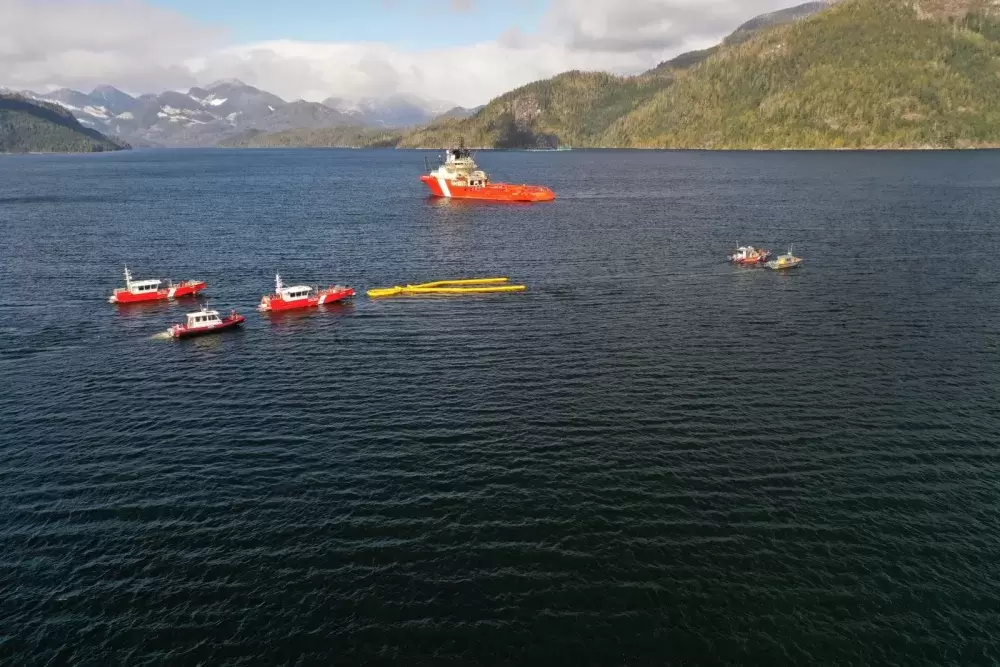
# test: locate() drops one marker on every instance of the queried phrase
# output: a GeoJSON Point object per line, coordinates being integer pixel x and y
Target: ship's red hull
{"type": "Point", "coordinates": [190, 288]}
{"type": "Point", "coordinates": [441, 187]}
{"type": "Point", "coordinates": [182, 331]}
{"type": "Point", "coordinates": [274, 303]}
{"type": "Point", "coordinates": [752, 262]}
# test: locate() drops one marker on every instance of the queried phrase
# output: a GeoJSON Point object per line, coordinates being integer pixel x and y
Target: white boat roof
{"type": "Point", "coordinates": [143, 283]}
{"type": "Point", "coordinates": [295, 288]}
{"type": "Point", "coordinates": [203, 312]}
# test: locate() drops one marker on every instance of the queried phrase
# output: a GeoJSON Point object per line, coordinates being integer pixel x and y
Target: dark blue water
{"type": "Point", "coordinates": [648, 458]}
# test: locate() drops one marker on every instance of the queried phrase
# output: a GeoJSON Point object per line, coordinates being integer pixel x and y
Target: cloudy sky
{"type": "Point", "coordinates": [461, 51]}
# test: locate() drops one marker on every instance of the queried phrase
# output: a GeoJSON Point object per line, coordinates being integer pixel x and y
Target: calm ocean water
{"type": "Point", "coordinates": [649, 458]}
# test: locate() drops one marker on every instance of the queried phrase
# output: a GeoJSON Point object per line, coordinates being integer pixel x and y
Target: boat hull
{"type": "Point", "coordinates": [775, 266]}
{"type": "Point", "coordinates": [175, 292]}
{"type": "Point", "coordinates": [275, 304]}
{"type": "Point", "coordinates": [182, 331]}
{"type": "Point", "coordinates": [441, 187]}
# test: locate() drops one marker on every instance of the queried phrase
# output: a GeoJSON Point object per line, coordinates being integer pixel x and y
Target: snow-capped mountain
{"type": "Point", "coordinates": [93, 110]}
{"type": "Point", "coordinates": [112, 99]}
{"type": "Point", "coordinates": [206, 115]}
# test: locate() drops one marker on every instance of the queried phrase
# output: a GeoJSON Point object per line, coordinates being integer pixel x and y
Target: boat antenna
{"type": "Point", "coordinates": [277, 283]}
{"type": "Point", "coordinates": [128, 278]}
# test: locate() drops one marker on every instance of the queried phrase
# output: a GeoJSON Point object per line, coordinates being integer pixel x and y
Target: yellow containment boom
{"type": "Point", "coordinates": [465, 286]}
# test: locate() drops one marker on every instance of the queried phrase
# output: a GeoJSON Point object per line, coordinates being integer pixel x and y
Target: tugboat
{"type": "Point", "coordinates": [150, 290]}
{"type": "Point", "coordinates": [750, 256]}
{"type": "Point", "coordinates": [301, 296]}
{"type": "Point", "coordinates": [205, 322]}
{"type": "Point", "coordinates": [458, 177]}
{"type": "Point", "coordinates": [787, 261]}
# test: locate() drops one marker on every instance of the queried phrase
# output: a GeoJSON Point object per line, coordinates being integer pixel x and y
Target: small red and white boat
{"type": "Point", "coordinates": [205, 322]}
{"type": "Point", "coordinates": [750, 256]}
{"type": "Point", "coordinates": [301, 296]}
{"type": "Point", "coordinates": [459, 177]}
{"type": "Point", "coordinates": [152, 290]}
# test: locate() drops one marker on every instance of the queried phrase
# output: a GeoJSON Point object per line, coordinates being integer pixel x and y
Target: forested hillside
{"type": "Point", "coordinates": [857, 74]}
{"type": "Point", "coordinates": [28, 126]}
{"type": "Point", "coordinates": [865, 73]}
{"type": "Point", "coordinates": [574, 108]}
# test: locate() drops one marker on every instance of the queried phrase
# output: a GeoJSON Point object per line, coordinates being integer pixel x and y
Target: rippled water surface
{"type": "Point", "coordinates": [650, 457]}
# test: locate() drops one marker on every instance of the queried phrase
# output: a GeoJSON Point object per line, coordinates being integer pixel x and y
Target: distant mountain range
{"type": "Point", "coordinates": [832, 74]}
{"type": "Point", "coordinates": [228, 109]}
{"type": "Point", "coordinates": [30, 126]}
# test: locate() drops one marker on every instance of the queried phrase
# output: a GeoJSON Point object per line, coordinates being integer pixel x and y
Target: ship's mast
{"type": "Point", "coordinates": [128, 279]}
{"type": "Point", "coordinates": [277, 284]}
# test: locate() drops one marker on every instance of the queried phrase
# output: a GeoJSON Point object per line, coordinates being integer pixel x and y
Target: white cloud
{"type": "Point", "coordinates": [80, 43]}
{"type": "Point", "coordinates": [127, 42]}
{"type": "Point", "coordinates": [466, 75]}
{"type": "Point", "coordinates": [651, 26]}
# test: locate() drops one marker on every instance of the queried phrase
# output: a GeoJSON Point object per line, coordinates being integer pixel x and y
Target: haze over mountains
{"type": "Point", "coordinates": [224, 109]}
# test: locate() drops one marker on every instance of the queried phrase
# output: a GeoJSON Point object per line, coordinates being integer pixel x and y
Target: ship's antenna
{"type": "Point", "coordinates": [277, 283]}
{"type": "Point", "coordinates": [128, 278]}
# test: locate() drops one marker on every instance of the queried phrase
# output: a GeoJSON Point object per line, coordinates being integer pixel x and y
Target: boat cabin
{"type": "Point", "coordinates": [203, 318]}
{"type": "Point", "coordinates": [461, 169]}
{"type": "Point", "coordinates": [295, 293]}
{"type": "Point", "coordinates": [143, 286]}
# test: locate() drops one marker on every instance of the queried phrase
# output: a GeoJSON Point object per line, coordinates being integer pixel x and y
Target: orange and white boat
{"type": "Point", "coordinates": [750, 256]}
{"type": "Point", "coordinates": [458, 177]}
{"type": "Point", "coordinates": [153, 290]}
{"type": "Point", "coordinates": [301, 296]}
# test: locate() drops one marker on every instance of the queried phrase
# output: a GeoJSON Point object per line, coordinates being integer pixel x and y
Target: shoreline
{"type": "Point", "coordinates": [868, 149]}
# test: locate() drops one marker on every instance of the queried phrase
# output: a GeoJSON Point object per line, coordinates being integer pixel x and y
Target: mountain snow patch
{"type": "Point", "coordinates": [98, 112]}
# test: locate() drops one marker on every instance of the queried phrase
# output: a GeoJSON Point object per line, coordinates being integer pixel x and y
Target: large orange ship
{"type": "Point", "coordinates": [458, 177]}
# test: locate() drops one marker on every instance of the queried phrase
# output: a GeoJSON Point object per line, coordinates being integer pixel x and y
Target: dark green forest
{"type": "Point", "coordinates": [29, 126]}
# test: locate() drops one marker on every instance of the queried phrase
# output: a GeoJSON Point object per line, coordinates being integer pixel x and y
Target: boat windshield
{"type": "Point", "coordinates": [203, 318]}
{"type": "Point", "coordinates": [145, 285]}
{"type": "Point", "coordinates": [293, 293]}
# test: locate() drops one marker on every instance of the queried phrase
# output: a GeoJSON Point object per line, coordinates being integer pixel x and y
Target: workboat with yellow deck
{"type": "Point", "coordinates": [784, 262]}
{"type": "Point", "coordinates": [464, 286]}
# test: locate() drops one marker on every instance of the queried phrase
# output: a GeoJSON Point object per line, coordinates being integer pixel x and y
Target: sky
{"type": "Point", "coordinates": [449, 51]}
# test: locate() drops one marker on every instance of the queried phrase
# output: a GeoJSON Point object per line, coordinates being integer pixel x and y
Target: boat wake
{"type": "Point", "coordinates": [163, 335]}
